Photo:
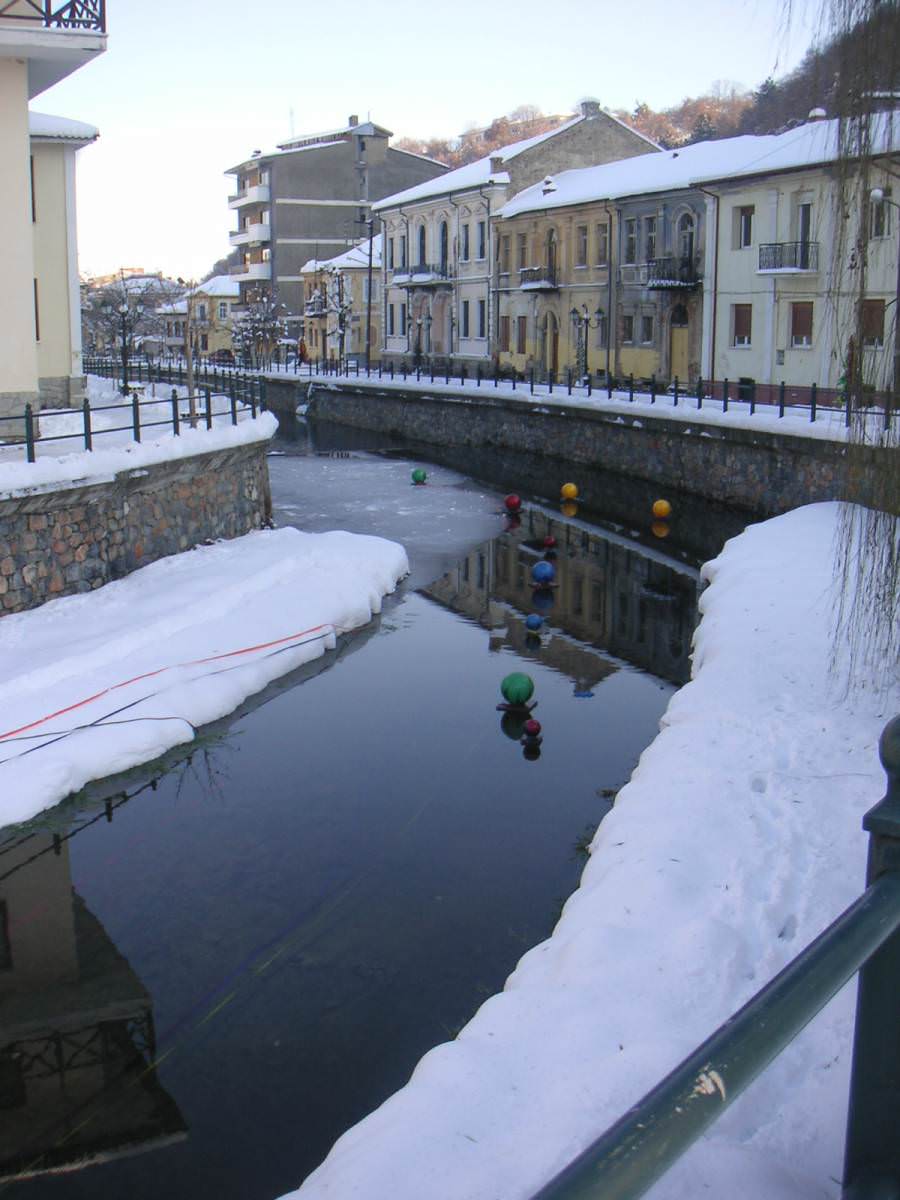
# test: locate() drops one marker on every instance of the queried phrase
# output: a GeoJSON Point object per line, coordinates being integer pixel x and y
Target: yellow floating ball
{"type": "Point", "coordinates": [569, 491]}
{"type": "Point", "coordinates": [569, 508]}
{"type": "Point", "coordinates": [662, 509]}
{"type": "Point", "coordinates": [660, 529]}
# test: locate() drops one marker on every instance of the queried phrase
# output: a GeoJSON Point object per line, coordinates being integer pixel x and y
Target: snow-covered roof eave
{"type": "Point", "coordinates": [45, 127]}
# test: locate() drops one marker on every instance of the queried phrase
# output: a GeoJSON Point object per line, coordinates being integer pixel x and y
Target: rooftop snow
{"type": "Point", "coordinates": [218, 285]}
{"type": "Point", "coordinates": [703, 162]}
{"type": "Point", "coordinates": [356, 256]}
{"type": "Point", "coordinates": [45, 125]}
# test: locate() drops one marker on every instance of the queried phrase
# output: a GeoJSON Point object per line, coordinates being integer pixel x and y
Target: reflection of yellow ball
{"type": "Point", "coordinates": [569, 491]}
{"type": "Point", "coordinates": [569, 508]}
{"type": "Point", "coordinates": [660, 529]}
{"type": "Point", "coordinates": [662, 509]}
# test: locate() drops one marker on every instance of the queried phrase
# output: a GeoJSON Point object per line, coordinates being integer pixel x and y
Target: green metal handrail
{"type": "Point", "coordinates": [640, 1147]}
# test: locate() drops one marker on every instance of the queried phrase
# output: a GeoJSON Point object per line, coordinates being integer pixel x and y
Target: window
{"type": "Point", "coordinates": [628, 328]}
{"type": "Point", "coordinates": [403, 251]}
{"type": "Point", "coordinates": [686, 236]}
{"type": "Point", "coordinates": [465, 318]}
{"type": "Point", "coordinates": [880, 216]}
{"type": "Point", "coordinates": [223, 310]}
{"type": "Point", "coordinates": [743, 232]}
{"type": "Point", "coordinates": [504, 333]}
{"type": "Point", "coordinates": [403, 320]}
{"type": "Point", "coordinates": [602, 244]}
{"type": "Point", "coordinates": [522, 251]}
{"type": "Point", "coordinates": [482, 318]}
{"type": "Point", "coordinates": [801, 323]}
{"type": "Point", "coordinates": [423, 258]}
{"type": "Point", "coordinates": [521, 325]}
{"type": "Point", "coordinates": [482, 239]}
{"type": "Point", "coordinates": [390, 316]}
{"type": "Point", "coordinates": [204, 341]}
{"type": "Point", "coordinates": [390, 254]}
{"type": "Point", "coordinates": [649, 239]}
{"type": "Point", "coordinates": [581, 245]}
{"type": "Point", "coordinates": [646, 328]}
{"type": "Point", "coordinates": [631, 240]}
{"type": "Point", "coordinates": [201, 312]}
{"type": "Point", "coordinates": [742, 323]}
{"type": "Point", "coordinates": [466, 247]}
{"type": "Point", "coordinates": [445, 247]}
{"type": "Point", "coordinates": [601, 331]}
{"type": "Point", "coordinates": [873, 323]}
{"type": "Point", "coordinates": [504, 254]}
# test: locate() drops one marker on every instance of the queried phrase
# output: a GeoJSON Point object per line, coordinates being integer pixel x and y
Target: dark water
{"type": "Point", "coordinates": [212, 967]}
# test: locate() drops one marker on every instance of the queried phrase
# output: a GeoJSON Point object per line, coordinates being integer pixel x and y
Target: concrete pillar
{"type": "Point", "coordinates": [18, 354]}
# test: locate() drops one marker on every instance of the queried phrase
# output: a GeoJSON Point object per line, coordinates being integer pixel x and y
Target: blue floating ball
{"type": "Point", "coordinates": [533, 622]}
{"type": "Point", "coordinates": [543, 572]}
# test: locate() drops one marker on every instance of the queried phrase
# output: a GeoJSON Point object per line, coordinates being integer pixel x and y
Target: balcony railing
{"type": "Point", "coordinates": [672, 273]}
{"type": "Point", "coordinates": [73, 14]}
{"type": "Point", "coordinates": [315, 308]}
{"type": "Point", "coordinates": [539, 278]}
{"type": "Point", "coordinates": [789, 256]}
{"type": "Point", "coordinates": [418, 273]}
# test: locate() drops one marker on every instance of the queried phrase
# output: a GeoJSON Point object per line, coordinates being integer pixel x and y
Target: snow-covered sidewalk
{"type": "Point", "coordinates": [737, 840]}
{"type": "Point", "coordinates": [97, 683]}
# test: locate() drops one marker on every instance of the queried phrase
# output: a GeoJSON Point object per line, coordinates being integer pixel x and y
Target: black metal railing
{"type": "Point", "coordinates": [789, 256]}
{"type": "Point", "coordinates": [426, 272]}
{"type": "Point", "coordinates": [672, 272]}
{"type": "Point", "coordinates": [546, 276]}
{"type": "Point", "coordinates": [74, 14]}
{"type": "Point", "coordinates": [634, 1153]}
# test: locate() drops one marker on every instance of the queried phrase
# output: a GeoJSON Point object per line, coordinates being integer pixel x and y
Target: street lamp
{"type": "Point", "coordinates": [583, 323]}
{"type": "Point", "coordinates": [129, 318]}
{"type": "Point", "coordinates": [878, 196]}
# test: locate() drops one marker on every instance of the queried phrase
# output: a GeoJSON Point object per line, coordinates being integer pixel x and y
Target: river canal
{"type": "Point", "coordinates": [211, 967]}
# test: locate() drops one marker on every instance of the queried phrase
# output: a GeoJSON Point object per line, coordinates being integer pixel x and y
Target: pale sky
{"type": "Point", "coordinates": [188, 88]}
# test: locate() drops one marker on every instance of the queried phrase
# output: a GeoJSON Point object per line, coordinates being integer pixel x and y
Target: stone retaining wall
{"type": "Point", "coordinates": [75, 538]}
{"type": "Point", "coordinates": [763, 472]}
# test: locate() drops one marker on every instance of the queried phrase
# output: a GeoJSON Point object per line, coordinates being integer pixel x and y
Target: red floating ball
{"type": "Point", "coordinates": [549, 541]}
{"type": "Point", "coordinates": [532, 727]}
{"type": "Point", "coordinates": [513, 503]}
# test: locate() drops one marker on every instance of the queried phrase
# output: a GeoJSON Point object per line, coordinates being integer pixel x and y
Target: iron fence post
{"type": "Point", "coordinates": [233, 411]}
{"type": "Point", "coordinates": [86, 417]}
{"type": "Point", "coordinates": [207, 393]}
{"type": "Point", "coordinates": [781, 399]}
{"type": "Point", "coordinates": [652, 389]}
{"type": "Point", "coordinates": [812, 403]}
{"type": "Point", "coordinates": [176, 421]}
{"type": "Point", "coordinates": [699, 391]}
{"type": "Point", "coordinates": [29, 433]}
{"type": "Point", "coordinates": [568, 381]}
{"type": "Point", "coordinates": [725, 395]}
{"type": "Point", "coordinates": [872, 1149]}
{"type": "Point", "coordinates": [675, 394]}
{"type": "Point", "coordinates": [631, 389]}
{"type": "Point", "coordinates": [531, 381]}
{"type": "Point", "coordinates": [136, 417]}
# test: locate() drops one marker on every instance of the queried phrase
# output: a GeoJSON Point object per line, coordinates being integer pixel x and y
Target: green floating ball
{"type": "Point", "coordinates": [517, 688]}
{"type": "Point", "coordinates": [418, 475]}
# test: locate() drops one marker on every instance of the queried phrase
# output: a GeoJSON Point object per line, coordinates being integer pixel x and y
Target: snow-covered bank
{"type": "Point", "coordinates": [737, 840]}
{"type": "Point", "coordinates": [97, 683]}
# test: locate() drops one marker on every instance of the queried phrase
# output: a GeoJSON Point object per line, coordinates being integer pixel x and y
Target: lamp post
{"type": "Point", "coordinates": [878, 196]}
{"type": "Point", "coordinates": [583, 323]}
{"type": "Point", "coordinates": [129, 317]}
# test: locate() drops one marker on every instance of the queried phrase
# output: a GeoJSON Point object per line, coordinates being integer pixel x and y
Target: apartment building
{"type": "Point", "coordinates": [439, 237]}
{"type": "Point", "coordinates": [40, 338]}
{"type": "Point", "coordinates": [312, 198]}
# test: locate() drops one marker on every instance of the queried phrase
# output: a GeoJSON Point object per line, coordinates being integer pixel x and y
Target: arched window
{"type": "Point", "coordinates": [686, 236]}
{"type": "Point", "coordinates": [422, 257]}
{"type": "Point", "coordinates": [445, 247]}
{"type": "Point", "coordinates": [551, 254]}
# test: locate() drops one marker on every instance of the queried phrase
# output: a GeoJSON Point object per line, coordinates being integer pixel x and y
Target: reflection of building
{"type": "Point", "coordinates": [77, 1083]}
{"type": "Point", "coordinates": [611, 593]}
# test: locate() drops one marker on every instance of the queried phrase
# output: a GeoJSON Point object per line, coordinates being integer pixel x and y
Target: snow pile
{"type": "Point", "coordinates": [737, 840]}
{"type": "Point", "coordinates": [95, 684]}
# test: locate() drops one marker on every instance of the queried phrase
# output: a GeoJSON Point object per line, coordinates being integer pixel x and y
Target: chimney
{"type": "Point", "coordinates": [548, 186]}
{"type": "Point", "coordinates": [590, 108]}
{"type": "Point", "coordinates": [817, 114]}
{"type": "Point", "coordinates": [354, 120]}
{"type": "Point", "coordinates": [496, 163]}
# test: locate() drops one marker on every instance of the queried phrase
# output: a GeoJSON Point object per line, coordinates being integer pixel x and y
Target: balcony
{"type": "Point", "coordinates": [539, 279]}
{"type": "Point", "coordinates": [54, 37]}
{"type": "Point", "coordinates": [248, 272]}
{"type": "Point", "coordinates": [250, 233]}
{"type": "Point", "coordinates": [788, 258]}
{"type": "Point", "coordinates": [672, 273]}
{"type": "Point", "coordinates": [423, 274]}
{"type": "Point", "coordinates": [258, 194]}
{"type": "Point", "coordinates": [316, 307]}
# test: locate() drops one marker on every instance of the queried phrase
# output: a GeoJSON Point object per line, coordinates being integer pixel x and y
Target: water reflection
{"type": "Point", "coordinates": [77, 1041]}
{"type": "Point", "coordinates": [609, 594]}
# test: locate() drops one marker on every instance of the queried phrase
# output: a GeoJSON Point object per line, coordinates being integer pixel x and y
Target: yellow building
{"type": "Point", "coordinates": [337, 302]}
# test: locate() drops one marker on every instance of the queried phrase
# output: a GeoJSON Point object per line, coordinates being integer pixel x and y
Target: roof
{"type": "Point", "coordinates": [220, 286]}
{"type": "Point", "coordinates": [689, 166]}
{"type": "Point", "coordinates": [364, 129]}
{"type": "Point", "coordinates": [60, 129]}
{"type": "Point", "coordinates": [354, 258]}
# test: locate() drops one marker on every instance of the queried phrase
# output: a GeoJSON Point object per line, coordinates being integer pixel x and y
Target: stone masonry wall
{"type": "Point", "coordinates": [762, 472]}
{"type": "Point", "coordinates": [73, 539]}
